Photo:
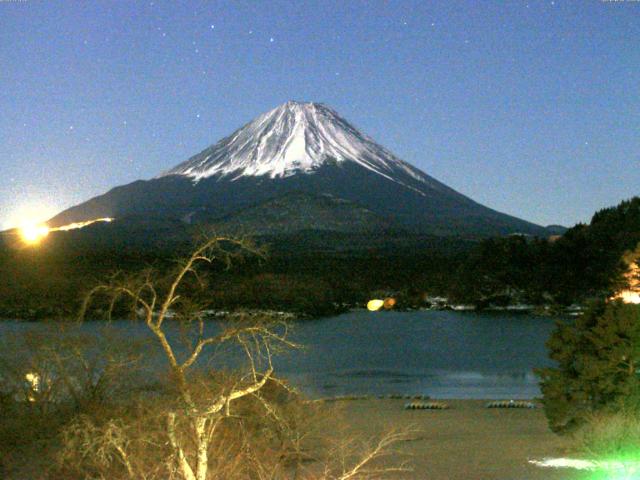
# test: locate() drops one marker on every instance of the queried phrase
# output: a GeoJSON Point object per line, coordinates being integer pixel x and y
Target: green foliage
{"type": "Point", "coordinates": [609, 436]}
{"type": "Point", "coordinates": [598, 361]}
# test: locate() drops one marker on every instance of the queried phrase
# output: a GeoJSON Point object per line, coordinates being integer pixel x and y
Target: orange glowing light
{"type": "Point", "coordinates": [631, 294]}
{"type": "Point", "coordinates": [389, 303]}
{"type": "Point", "coordinates": [628, 296]}
{"type": "Point", "coordinates": [33, 233]}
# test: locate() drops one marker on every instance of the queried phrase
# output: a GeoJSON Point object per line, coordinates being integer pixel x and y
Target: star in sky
{"type": "Point", "coordinates": [462, 82]}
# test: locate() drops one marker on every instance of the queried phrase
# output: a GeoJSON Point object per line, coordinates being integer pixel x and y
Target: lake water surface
{"type": "Point", "coordinates": [443, 354]}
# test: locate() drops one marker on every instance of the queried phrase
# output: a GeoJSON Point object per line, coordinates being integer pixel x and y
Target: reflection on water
{"type": "Point", "coordinates": [437, 384]}
{"type": "Point", "coordinates": [441, 354]}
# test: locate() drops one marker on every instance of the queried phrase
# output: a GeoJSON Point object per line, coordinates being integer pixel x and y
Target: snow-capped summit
{"type": "Point", "coordinates": [292, 138]}
{"type": "Point", "coordinates": [302, 167]}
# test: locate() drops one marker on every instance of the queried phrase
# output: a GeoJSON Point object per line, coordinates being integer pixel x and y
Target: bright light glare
{"type": "Point", "coordinates": [34, 380]}
{"type": "Point", "coordinates": [565, 463]}
{"type": "Point", "coordinates": [32, 233]}
{"type": "Point", "coordinates": [77, 225]}
{"type": "Point", "coordinates": [628, 296]}
{"type": "Point", "coordinates": [632, 293]}
{"type": "Point", "coordinates": [375, 305]}
{"type": "Point", "coordinates": [610, 470]}
{"type": "Point", "coordinates": [36, 212]}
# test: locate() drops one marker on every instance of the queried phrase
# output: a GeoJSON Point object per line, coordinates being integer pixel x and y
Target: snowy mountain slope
{"type": "Point", "coordinates": [296, 138]}
{"type": "Point", "coordinates": [300, 148]}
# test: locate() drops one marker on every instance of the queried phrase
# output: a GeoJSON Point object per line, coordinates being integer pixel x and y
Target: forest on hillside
{"type": "Point", "coordinates": [585, 262]}
{"type": "Point", "coordinates": [296, 276]}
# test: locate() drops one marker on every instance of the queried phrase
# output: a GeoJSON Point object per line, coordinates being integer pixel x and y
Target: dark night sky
{"type": "Point", "coordinates": [532, 108]}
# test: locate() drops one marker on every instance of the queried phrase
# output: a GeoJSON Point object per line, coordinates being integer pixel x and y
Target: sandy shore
{"type": "Point", "coordinates": [466, 442]}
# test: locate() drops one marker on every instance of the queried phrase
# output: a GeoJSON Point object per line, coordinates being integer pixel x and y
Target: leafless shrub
{"type": "Point", "coordinates": [201, 421]}
{"type": "Point", "coordinates": [200, 407]}
{"type": "Point", "coordinates": [48, 375]}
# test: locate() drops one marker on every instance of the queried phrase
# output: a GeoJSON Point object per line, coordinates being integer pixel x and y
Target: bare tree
{"type": "Point", "coordinates": [199, 443]}
{"type": "Point", "coordinates": [202, 412]}
{"type": "Point", "coordinates": [368, 463]}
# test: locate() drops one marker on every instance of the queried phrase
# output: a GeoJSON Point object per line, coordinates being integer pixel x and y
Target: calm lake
{"type": "Point", "coordinates": [443, 354]}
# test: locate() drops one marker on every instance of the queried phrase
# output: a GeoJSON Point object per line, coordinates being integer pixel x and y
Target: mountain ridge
{"type": "Point", "coordinates": [304, 147]}
{"type": "Point", "coordinates": [307, 137]}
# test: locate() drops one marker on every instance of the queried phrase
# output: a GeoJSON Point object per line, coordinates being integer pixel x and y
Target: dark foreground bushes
{"type": "Point", "coordinates": [195, 400]}
{"type": "Point", "coordinates": [76, 405]}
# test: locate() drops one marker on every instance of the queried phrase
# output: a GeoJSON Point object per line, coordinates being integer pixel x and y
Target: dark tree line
{"type": "Point", "coordinates": [585, 262]}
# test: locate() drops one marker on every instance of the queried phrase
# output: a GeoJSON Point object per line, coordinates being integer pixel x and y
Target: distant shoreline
{"type": "Point", "coordinates": [217, 314]}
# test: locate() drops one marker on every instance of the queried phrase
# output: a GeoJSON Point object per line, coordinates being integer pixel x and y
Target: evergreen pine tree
{"type": "Point", "coordinates": [598, 365]}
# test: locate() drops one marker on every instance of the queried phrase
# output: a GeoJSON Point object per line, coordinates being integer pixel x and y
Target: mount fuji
{"type": "Point", "coordinates": [300, 167]}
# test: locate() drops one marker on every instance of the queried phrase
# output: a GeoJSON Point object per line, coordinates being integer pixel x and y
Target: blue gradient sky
{"type": "Point", "coordinates": [532, 108]}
